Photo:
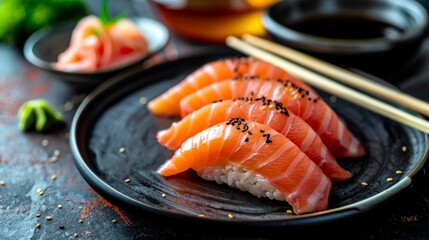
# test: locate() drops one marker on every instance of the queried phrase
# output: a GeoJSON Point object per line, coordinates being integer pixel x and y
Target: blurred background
{"type": "Point", "coordinates": [207, 21]}
{"type": "Point", "coordinates": [203, 21]}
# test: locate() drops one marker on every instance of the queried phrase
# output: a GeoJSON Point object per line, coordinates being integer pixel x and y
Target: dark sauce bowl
{"type": "Point", "coordinates": [377, 36]}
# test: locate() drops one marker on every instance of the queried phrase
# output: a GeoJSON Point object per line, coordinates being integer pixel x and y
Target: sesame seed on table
{"type": "Point", "coordinates": [43, 196]}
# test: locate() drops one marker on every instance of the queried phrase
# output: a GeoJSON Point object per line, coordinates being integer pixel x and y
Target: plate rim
{"type": "Point", "coordinates": [109, 192]}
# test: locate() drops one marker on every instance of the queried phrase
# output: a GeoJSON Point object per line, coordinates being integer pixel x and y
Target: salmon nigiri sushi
{"type": "Point", "coordinates": [302, 102]}
{"type": "Point", "coordinates": [264, 163]}
{"type": "Point", "coordinates": [168, 102]}
{"type": "Point", "coordinates": [265, 111]}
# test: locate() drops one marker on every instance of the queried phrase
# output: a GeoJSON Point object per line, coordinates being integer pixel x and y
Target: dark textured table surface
{"type": "Point", "coordinates": [78, 211]}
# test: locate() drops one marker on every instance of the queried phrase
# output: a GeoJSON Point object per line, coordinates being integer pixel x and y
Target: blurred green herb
{"type": "Point", "coordinates": [20, 18]}
{"type": "Point", "coordinates": [105, 17]}
{"type": "Point", "coordinates": [104, 14]}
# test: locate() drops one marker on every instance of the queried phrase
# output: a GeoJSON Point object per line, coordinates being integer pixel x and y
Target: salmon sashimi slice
{"type": "Point", "coordinates": [265, 111]}
{"type": "Point", "coordinates": [304, 103]}
{"type": "Point", "coordinates": [168, 102]}
{"type": "Point", "coordinates": [255, 158]}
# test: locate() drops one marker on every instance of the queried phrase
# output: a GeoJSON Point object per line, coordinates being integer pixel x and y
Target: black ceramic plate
{"type": "Point", "coordinates": [111, 118]}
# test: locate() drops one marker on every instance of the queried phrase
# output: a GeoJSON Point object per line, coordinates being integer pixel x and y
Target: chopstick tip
{"type": "Point", "coordinates": [230, 40]}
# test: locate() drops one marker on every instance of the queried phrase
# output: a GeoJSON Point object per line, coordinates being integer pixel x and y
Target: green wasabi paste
{"type": "Point", "coordinates": [39, 115]}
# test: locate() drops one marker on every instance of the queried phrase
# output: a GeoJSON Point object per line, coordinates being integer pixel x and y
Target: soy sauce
{"type": "Point", "coordinates": [346, 27]}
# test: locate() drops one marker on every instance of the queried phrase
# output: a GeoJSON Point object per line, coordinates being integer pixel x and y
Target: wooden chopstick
{"type": "Point", "coordinates": [342, 75]}
{"type": "Point", "coordinates": [331, 86]}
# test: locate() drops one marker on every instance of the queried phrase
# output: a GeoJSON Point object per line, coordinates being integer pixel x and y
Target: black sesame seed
{"type": "Point", "coordinates": [267, 135]}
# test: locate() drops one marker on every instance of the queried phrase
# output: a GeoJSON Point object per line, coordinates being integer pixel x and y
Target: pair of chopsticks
{"type": "Point", "coordinates": [285, 57]}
